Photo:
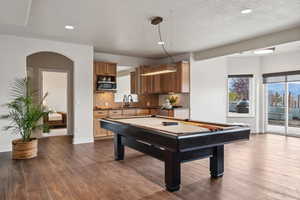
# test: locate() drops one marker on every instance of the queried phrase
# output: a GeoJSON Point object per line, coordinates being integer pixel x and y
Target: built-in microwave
{"type": "Point", "coordinates": [107, 86]}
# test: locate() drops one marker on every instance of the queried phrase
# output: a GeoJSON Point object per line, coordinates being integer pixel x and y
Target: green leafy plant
{"type": "Point", "coordinates": [173, 99]}
{"type": "Point", "coordinates": [24, 114]}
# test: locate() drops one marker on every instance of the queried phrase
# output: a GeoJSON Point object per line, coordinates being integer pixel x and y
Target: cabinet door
{"type": "Point", "coordinates": [167, 113]}
{"type": "Point", "coordinates": [165, 83]}
{"type": "Point", "coordinates": [142, 112]}
{"type": "Point", "coordinates": [111, 69]}
{"type": "Point", "coordinates": [100, 68]}
{"type": "Point", "coordinates": [156, 84]}
{"type": "Point", "coordinates": [183, 78]}
{"type": "Point", "coordinates": [144, 81]}
{"type": "Point", "coordinates": [172, 82]}
{"type": "Point", "coordinates": [133, 83]}
{"type": "Point", "coordinates": [98, 131]}
{"type": "Point", "coordinates": [110, 133]}
{"type": "Point", "coordinates": [154, 111]}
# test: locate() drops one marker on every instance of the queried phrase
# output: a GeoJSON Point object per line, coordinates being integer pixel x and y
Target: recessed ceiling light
{"type": "Point", "coordinates": [246, 11]}
{"type": "Point", "coordinates": [69, 27]}
{"type": "Point", "coordinates": [161, 43]}
{"type": "Point", "coordinates": [265, 51]}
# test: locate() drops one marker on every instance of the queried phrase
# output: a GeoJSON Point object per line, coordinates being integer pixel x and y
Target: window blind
{"type": "Point", "coordinates": [279, 77]}
{"type": "Point", "coordinates": [240, 76]}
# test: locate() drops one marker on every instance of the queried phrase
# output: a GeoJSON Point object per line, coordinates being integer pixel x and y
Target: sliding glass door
{"type": "Point", "coordinates": [283, 104]}
{"type": "Point", "coordinates": [276, 107]}
{"type": "Point", "coordinates": [293, 108]}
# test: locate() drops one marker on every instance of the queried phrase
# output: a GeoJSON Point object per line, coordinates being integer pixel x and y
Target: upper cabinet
{"type": "Point", "coordinates": [105, 75]}
{"type": "Point", "coordinates": [133, 83]}
{"type": "Point", "coordinates": [106, 69]}
{"type": "Point", "coordinates": [182, 78]}
{"type": "Point", "coordinates": [177, 82]}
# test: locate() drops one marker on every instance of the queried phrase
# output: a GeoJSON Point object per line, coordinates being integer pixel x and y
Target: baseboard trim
{"type": "Point", "coordinates": [82, 140]}
{"type": "Point", "coordinates": [5, 148]}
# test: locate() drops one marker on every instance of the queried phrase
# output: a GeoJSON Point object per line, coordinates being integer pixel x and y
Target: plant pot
{"type": "Point", "coordinates": [24, 150]}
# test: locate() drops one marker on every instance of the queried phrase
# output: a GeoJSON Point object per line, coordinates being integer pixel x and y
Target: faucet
{"type": "Point", "coordinates": [130, 98]}
{"type": "Point", "coordinates": [127, 99]}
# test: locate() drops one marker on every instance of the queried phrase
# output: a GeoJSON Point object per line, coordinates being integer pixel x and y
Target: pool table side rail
{"type": "Point", "coordinates": [151, 136]}
{"type": "Point", "coordinates": [224, 125]}
{"type": "Point", "coordinates": [173, 141]}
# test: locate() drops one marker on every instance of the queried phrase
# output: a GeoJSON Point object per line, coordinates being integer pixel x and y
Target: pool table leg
{"type": "Point", "coordinates": [217, 162]}
{"type": "Point", "coordinates": [118, 147]}
{"type": "Point", "coordinates": [172, 171]}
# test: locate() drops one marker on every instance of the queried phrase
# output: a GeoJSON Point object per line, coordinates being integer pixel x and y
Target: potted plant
{"type": "Point", "coordinates": [173, 99]}
{"type": "Point", "coordinates": [24, 116]}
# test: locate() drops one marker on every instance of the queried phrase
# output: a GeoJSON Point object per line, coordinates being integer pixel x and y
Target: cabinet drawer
{"type": "Point", "coordinates": [100, 114]}
{"type": "Point", "coordinates": [129, 112]}
{"type": "Point", "coordinates": [115, 112]}
{"type": "Point", "coordinates": [142, 111]}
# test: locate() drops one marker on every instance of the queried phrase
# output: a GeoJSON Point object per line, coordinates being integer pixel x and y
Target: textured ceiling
{"type": "Point", "coordinates": [122, 27]}
{"type": "Point", "coordinates": [15, 12]}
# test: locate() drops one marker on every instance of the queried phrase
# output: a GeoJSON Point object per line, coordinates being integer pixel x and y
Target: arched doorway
{"type": "Point", "coordinates": [47, 66]}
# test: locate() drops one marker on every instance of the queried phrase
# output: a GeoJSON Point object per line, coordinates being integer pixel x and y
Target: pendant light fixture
{"type": "Point", "coordinates": [156, 21]}
{"type": "Point", "coordinates": [170, 67]}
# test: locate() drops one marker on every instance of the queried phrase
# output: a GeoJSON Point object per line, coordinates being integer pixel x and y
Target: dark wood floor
{"type": "Point", "coordinates": [267, 167]}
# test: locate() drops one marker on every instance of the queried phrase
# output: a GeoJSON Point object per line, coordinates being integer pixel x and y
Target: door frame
{"type": "Point", "coordinates": [69, 92]}
{"type": "Point", "coordinates": [286, 111]}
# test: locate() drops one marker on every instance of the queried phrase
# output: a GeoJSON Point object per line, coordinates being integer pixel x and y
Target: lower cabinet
{"type": "Point", "coordinates": [100, 133]}
{"type": "Point", "coordinates": [167, 113]}
{"type": "Point", "coordinates": [129, 112]}
{"type": "Point", "coordinates": [142, 112]}
{"type": "Point", "coordinates": [181, 113]}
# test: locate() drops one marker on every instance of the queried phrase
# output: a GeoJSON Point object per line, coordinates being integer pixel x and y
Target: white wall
{"type": "Point", "coordinates": [136, 61]}
{"type": "Point", "coordinates": [258, 65]}
{"type": "Point", "coordinates": [263, 41]}
{"type": "Point", "coordinates": [13, 53]}
{"type": "Point", "coordinates": [288, 61]}
{"type": "Point", "coordinates": [123, 84]}
{"type": "Point", "coordinates": [177, 58]}
{"type": "Point", "coordinates": [208, 89]}
{"type": "Point", "coordinates": [123, 60]}
{"type": "Point", "coordinates": [55, 84]}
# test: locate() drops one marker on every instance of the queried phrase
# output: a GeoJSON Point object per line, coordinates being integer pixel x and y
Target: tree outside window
{"type": "Point", "coordinates": [239, 95]}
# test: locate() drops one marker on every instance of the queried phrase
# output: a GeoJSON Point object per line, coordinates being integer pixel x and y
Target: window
{"type": "Point", "coordinates": [240, 95]}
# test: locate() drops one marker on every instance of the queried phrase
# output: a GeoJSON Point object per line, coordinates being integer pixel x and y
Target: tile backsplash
{"type": "Point", "coordinates": [107, 100]}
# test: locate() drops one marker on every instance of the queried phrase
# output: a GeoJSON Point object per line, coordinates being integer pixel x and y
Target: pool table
{"type": "Point", "coordinates": [174, 141]}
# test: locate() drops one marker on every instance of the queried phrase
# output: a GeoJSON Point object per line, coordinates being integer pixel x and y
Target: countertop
{"type": "Point", "coordinates": [133, 107]}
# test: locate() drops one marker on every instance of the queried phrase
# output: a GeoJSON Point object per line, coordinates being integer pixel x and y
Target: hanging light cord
{"type": "Point", "coordinates": [163, 45]}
